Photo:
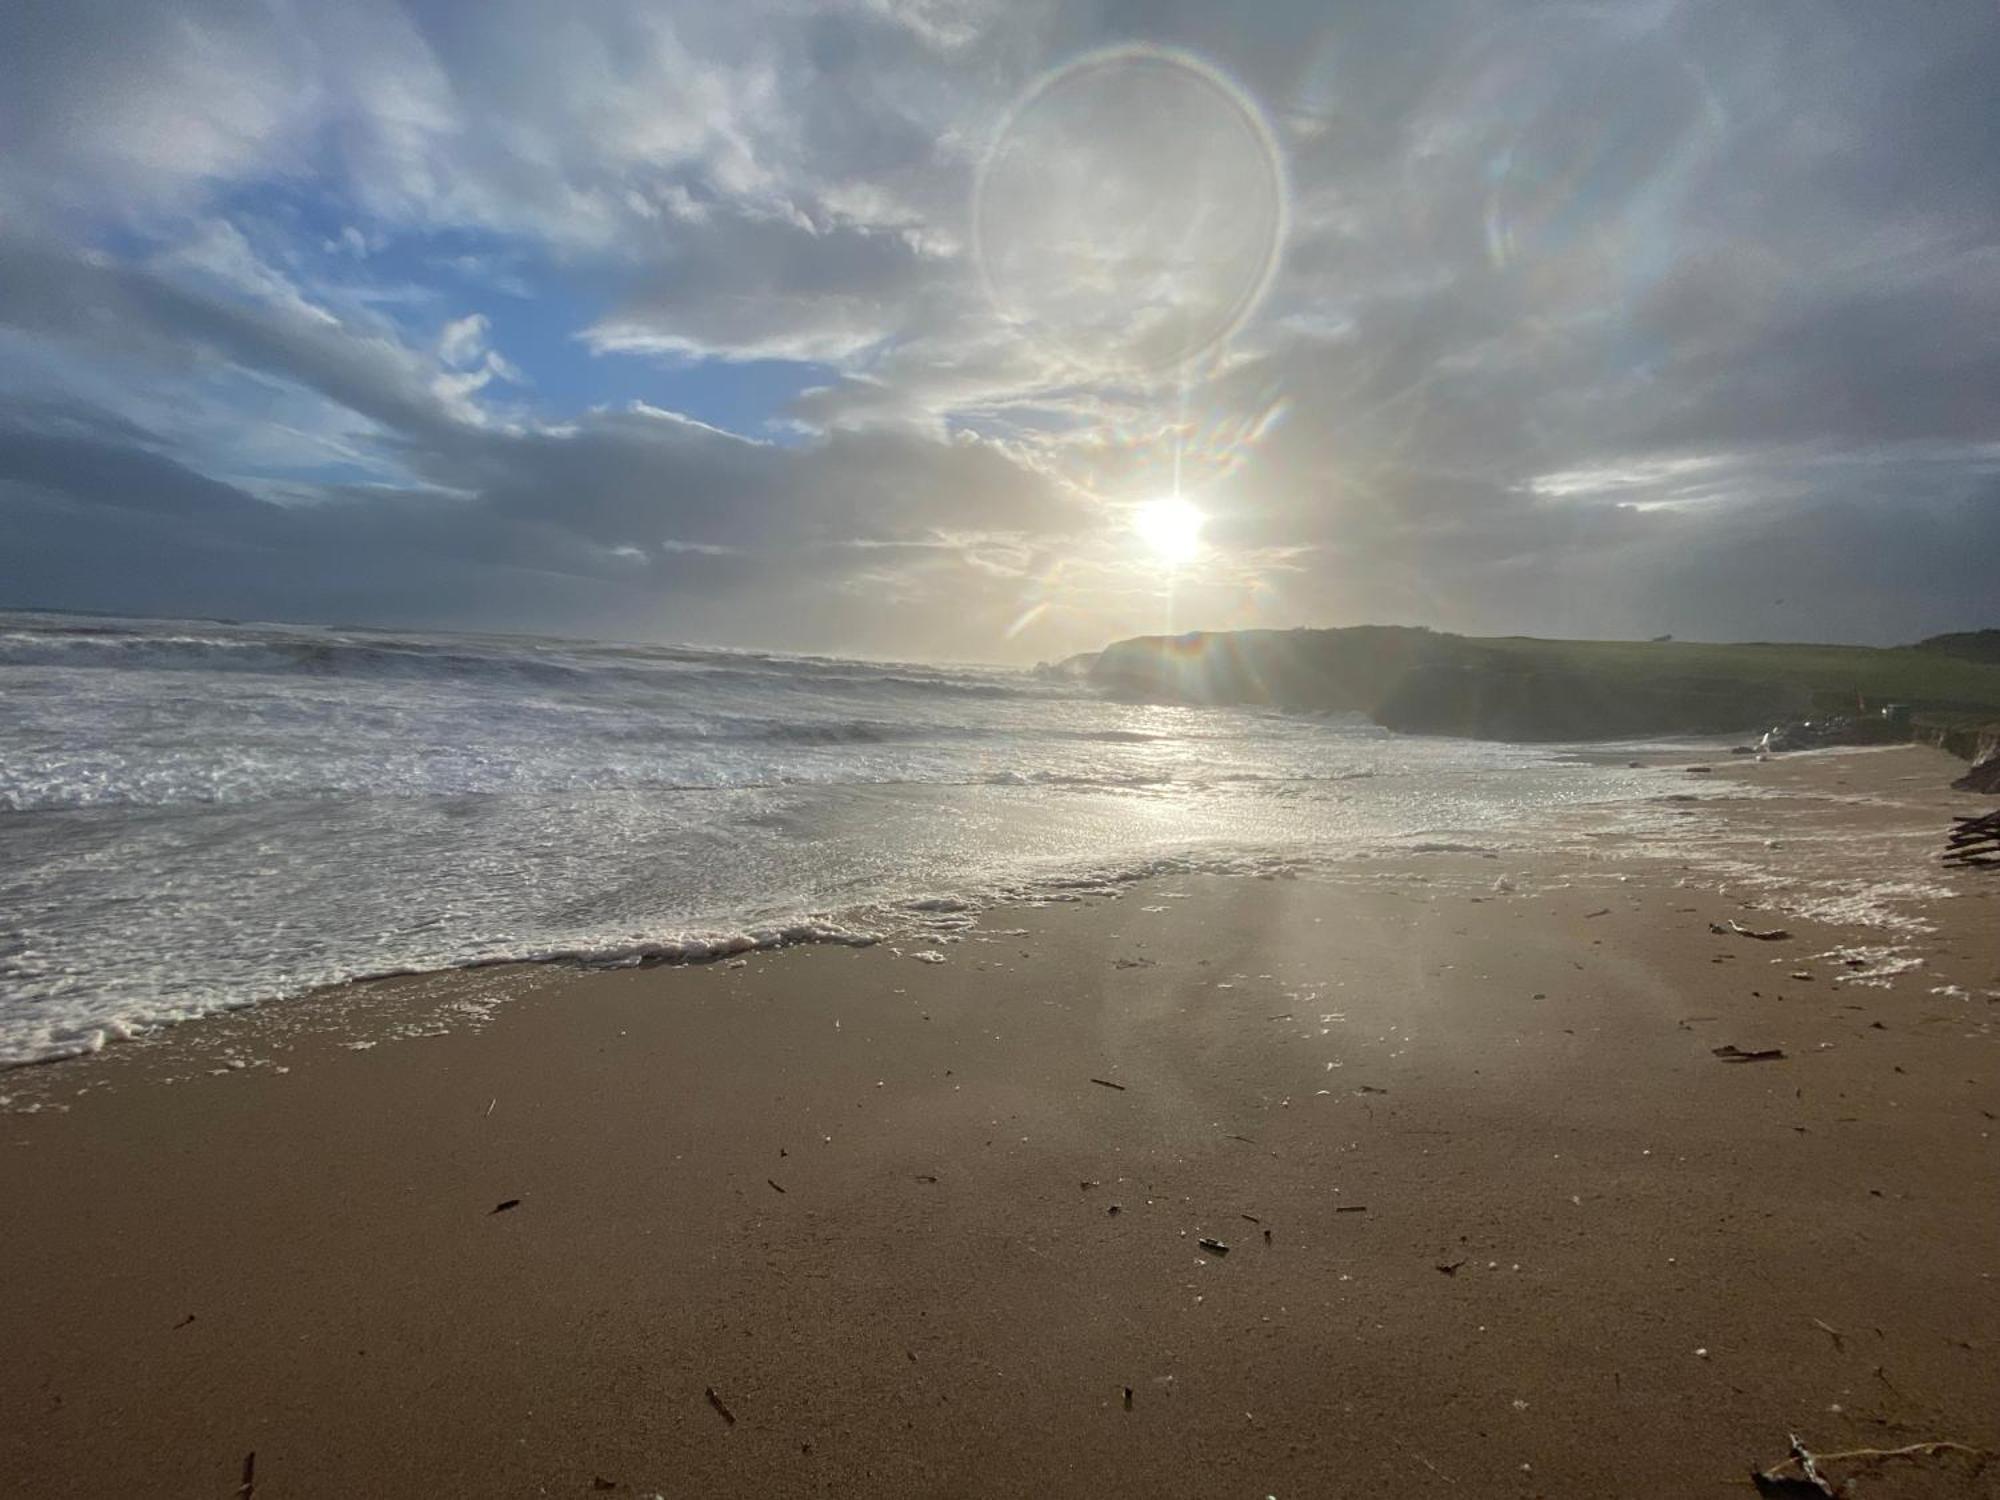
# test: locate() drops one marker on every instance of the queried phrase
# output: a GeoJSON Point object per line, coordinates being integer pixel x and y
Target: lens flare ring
{"type": "Point", "coordinates": [1115, 242]}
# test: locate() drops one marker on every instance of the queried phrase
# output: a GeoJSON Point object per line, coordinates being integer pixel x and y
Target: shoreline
{"type": "Point", "coordinates": [905, 918]}
{"type": "Point", "coordinates": [1510, 1187]}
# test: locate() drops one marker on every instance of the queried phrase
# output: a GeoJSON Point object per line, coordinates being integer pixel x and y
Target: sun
{"type": "Point", "coordinates": [1171, 527]}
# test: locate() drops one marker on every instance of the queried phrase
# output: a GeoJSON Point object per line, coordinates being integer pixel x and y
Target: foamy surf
{"type": "Point", "coordinates": [198, 817]}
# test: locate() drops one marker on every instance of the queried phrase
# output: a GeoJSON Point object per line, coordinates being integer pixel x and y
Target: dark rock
{"type": "Point", "coordinates": [1983, 777]}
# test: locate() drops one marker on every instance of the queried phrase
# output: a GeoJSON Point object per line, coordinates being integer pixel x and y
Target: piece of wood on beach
{"type": "Point", "coordinates": [1785, 1484]}
{"type": "Point", "coordinates": [722, 1411]}
{"type": "Point", "coordinates": [1735, 1054]}
{"type": "Point", "coordinates": [1761, 934]}
{"type": "Point", "coordinates": [1809, 1476]}
{"type": "Point", "coordinates": [501, 1208]}
{"type": "Point", "coordinates": [1107, 1083]}
{"type": "Point", "coordinates": [249, 1485]}
{"type": "Point", "coordinates": [1974, 841]}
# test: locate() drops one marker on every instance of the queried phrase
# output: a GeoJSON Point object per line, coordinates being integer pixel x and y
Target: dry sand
{"type": "Point", "coordinates": [1499, 1221]}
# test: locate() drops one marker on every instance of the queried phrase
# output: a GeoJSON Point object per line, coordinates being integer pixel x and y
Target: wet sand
{"type": "Point", "coordinates": [1499, 1221]}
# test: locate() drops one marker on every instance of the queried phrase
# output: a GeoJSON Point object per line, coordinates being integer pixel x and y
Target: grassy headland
{"type": "Point", "coordinates": [1522, 688]}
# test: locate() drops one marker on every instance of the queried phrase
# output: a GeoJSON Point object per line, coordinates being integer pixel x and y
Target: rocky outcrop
{"type": "Point", "coordinates": [1968, 741]}
{"type": "Point", "coordinates": [1984, 753]}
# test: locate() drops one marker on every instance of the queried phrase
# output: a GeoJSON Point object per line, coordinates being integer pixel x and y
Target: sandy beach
{"type": "Point", "coordinates": [1499, 1219]}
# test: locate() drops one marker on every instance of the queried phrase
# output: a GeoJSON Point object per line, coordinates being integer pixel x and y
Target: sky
{"type": "Point", "coordinates": [887, 326]}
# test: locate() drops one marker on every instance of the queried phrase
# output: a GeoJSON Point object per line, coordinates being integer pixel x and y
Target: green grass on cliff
{"type": "Point", "coordinates": [1522, 688]}
{"type": "Point", "coordinates": [1834, 675]}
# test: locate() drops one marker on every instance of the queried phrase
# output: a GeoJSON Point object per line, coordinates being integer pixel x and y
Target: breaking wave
{"type": "Point", "coordinates": [297, 652]}
{"type": "Point", "coordinates": [199, 816]}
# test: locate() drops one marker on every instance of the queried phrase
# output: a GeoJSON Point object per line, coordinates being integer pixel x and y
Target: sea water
{"type": "Point", "coordinates": [197, 816]}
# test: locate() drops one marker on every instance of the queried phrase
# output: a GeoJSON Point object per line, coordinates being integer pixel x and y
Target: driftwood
{"type": "Point", "coordinates": [1803, 1473]}
{"type": "Point", "coordinates": [1761, 934]}
{"type": "Point", "coordinates": [1974, 841]}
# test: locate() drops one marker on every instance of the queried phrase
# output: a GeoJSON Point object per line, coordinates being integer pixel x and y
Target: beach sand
{"type": "Point", "coordinates": [1499, 1221]}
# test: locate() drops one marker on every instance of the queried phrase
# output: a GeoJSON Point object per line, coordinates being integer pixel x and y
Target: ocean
{"type": "Point", "coordinates": [198, 816]}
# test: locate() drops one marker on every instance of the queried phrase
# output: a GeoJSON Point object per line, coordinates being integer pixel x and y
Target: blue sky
{"type": "Point", "coordinates": [875, 325]}
{"type": "Point", "coordinates": [536, 308]}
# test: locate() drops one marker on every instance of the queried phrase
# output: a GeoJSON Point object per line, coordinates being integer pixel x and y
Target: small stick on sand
{"type": "Point", "coordinates": [1761, 934]}
{"type": "Point", "coordinates": [1812, 1481]}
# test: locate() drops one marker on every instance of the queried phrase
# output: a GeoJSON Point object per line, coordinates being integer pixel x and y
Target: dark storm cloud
{"type": "Point", "coordinates": [113, 474]}
{"type": "Point", "coordinates": [1592, 318]}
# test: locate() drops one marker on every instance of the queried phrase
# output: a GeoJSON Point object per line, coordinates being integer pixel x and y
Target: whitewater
{"type": "Point", "coordinates": [199, 816]}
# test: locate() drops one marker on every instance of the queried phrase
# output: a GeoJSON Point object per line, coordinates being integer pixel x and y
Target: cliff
{"type": "Point", "coordinates": [1520, 688]}
{"type": "Point", "coordinates": [1973, 645]}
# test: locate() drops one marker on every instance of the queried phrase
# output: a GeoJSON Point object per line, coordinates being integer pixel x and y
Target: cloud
{"type": "Point", "coordinates": [467, 312]}
{"type": "Point", "coordinates": [104, 99]}
{"type": "Point", "coordinates": [759, 288]}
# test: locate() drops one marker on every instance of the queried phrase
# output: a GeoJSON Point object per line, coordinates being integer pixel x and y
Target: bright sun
{"type": "Point", "coordinates": [1171, 527]}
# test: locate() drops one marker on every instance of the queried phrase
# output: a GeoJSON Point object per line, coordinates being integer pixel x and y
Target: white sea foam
{"type": "Point", "coordinates": [1871, 965]}
{"type": "Point", "coordinates": [1894, 904]}
{"type": "Point", "coordinates": [201, 817]}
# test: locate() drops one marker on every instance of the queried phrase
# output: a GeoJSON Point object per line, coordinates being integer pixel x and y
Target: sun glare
{"type": "Point", "coordinates": [1171, 527]}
